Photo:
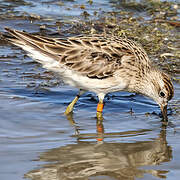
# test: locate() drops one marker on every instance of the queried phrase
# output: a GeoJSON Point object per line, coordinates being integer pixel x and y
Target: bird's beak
{"type": "Point", "coordinates": [164, 112]}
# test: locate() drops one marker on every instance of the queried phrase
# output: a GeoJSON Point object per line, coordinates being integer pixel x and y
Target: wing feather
{"type": "Point", "coordinates": [95, 57]}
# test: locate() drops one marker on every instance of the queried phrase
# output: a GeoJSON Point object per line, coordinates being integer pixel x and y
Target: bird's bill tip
{"type": "Point", "coordinates": [164, 112]}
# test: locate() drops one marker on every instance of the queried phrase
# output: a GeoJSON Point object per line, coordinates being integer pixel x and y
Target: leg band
{"type": "Point", "coordinates": [100, 107]}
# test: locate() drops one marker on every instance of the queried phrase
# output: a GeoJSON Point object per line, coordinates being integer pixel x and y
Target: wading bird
{"type": "Point", "coordinates": [99, 64]}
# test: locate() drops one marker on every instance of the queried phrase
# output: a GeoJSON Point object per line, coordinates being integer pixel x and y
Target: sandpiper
{"type": "Point", "coordinates": [98, 63]}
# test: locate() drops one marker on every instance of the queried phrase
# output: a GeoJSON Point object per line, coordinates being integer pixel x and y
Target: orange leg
{"type": "Point", "coordinates": [99, 111]}
{"type": "Point", "coordinates": [100, 107]}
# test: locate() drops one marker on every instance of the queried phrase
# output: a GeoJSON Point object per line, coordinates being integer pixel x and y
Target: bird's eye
{"type": "Point", "coordinates": [161, 94]}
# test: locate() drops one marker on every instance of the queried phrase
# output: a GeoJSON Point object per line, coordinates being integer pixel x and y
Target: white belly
{"type": "Point", "coordinates": [73, 78]}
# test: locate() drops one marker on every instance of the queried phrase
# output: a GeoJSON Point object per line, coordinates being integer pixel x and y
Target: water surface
{"type": "Point", "coordinates": [39, 142]}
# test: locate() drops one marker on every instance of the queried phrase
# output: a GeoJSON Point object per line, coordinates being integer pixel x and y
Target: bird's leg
{"type": "Point", "coordinates": [99, 110]}
{"type": "Point", "coordinates": [100, 107]}
{"type": "Point", "coordinates": [70, 107]}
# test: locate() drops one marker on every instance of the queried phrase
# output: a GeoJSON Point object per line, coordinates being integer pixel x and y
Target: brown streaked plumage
{"type": "Point", "coordinates": [168, 86]}
{"type": "Point", "coordinates": [99, 64]}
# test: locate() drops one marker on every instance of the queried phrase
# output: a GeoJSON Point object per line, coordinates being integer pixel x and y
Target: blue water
{"type": "Point", "coordinates": [38, 141]}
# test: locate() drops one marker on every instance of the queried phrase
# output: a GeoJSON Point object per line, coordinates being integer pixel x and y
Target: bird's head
{"type": "Point", "coordinates": [162, 90]}
{"type": "Point", "coordinates": [158, 86]}
{"type": "Point", "coordinates": [166, 93]}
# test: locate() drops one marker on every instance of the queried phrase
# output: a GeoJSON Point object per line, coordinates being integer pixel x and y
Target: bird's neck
{"type": "Point", "coordinates": [145, 84]}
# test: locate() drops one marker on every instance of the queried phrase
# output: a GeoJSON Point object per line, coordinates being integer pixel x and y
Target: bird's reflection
{"type": "Point", "coordinates": [104, 160]}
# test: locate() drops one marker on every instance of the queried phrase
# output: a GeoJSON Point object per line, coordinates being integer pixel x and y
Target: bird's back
{"type": "Point", "coordinates": [92, 56]}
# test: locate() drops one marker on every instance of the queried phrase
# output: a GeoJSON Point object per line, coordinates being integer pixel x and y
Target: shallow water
{"type": "Point", "coordinates": [39, 142]}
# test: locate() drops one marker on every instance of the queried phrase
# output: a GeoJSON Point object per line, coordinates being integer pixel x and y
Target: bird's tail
{"type": "Point", "coordinates": [39, 48]}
